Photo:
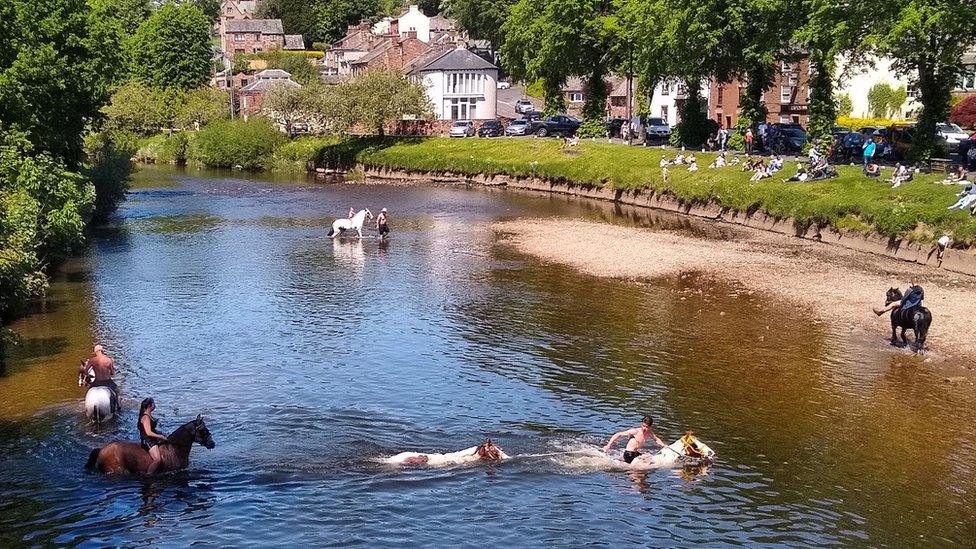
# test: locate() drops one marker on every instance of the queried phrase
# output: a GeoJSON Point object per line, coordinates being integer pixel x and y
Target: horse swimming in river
{"type": "Point", "coordinates": [130, 457]}
{"type": "Point", "coordinates": [355, 222]}
{"type": "Point", "coordinates": [918, 318]}
{"type": "Point", "coordinates": [101, 402]}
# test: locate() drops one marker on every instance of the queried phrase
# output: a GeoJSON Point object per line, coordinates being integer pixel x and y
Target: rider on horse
{"type": "Point", "coordinates": [913, 298]}
{"type": "Point", "coordinates": [102, 368]}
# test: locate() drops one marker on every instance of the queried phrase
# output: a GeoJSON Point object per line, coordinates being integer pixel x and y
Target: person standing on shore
{"type": "Point", "coordinates": [748, 141]}
{"type": "Point", "coordinates": [383, 223]}
{"type": "Point", "coordinates": [638, 438]}
{"type": "Point", "coordinates": [869, 147]}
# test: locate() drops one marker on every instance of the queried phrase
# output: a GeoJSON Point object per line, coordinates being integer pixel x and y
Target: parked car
{"type": "Point", "coordinates": [523, 106]}
{"type": "Point", "coordinates": [613, 126]}
{"type": "Point", "coordinates": [491, 128]}
{"type": "Point", "coordinates": [657, 128]}
{"type": "Point", "coordinates": [558, 124]}
{"type": "Point", "coordinates": [951, 134]}
{"type": "Point", "coordinates": [462, 128]}
{"type": "Point", "coordinates": [532, 115]}
{"type": "Point", "coordinates": [503, 85]}
{"type": "Point", "coordinates": [521, 126]}
{"type": "Point", "coordinates": [786, 139]}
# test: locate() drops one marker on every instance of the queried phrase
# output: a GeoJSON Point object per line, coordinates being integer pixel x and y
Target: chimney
{"type": "Point", "coordinates": [412, 33]}
{"type": "Point", "coordinates": [414, 8]}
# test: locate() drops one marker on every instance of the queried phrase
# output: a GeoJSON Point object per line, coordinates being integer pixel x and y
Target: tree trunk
{"type": "Point", "coordinates": [759, 78]}
{"type": "Point", "coordinates": [553, 92]}
{"type": "Point", "coordinates": [935, 94]}
{"type": "Point", "coordinates": [595, 107]}
{"type": "Point", "coordinates": [692, 129]}
{"type": "Point", "coordinates": [823, 106]}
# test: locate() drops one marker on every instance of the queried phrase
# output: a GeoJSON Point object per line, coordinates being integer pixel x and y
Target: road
{"type": "Point", "coordinates": [507, 99]}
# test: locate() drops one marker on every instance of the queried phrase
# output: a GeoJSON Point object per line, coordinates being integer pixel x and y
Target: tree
{"type": "Point", "coordinates": [879, 100]}
{"type": "Point", "coordinates": [200, 107]}
{"type": "Point", "coordinates": [139, 109]}
{"type": "Point", "coordinates": [50, 86]}
{"type": "Point", "coordinates": [379, 98]}
{"type": "Point", "coordinates": [896, 101]}
{"type": "Point", "coordinates": [332, 18]}
{"type": "Point", "coordinates": [964, 112]}
{"type": "Point", "coordinates": [927, 39]}
{"type": "Point", "coordinates": [286, 104]}
{"type": "Point", "coordinates": [172, 49]}
{"type": "Point", "coordinates": [844, 105]}
{"type": "Point", "coordinates": [481, 19]}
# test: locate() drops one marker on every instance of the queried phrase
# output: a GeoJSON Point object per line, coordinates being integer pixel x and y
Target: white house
{"type": "Point", "coordinates": [411, 20]}
{"type": "Point", "coordinates": [856, 82]}
{"type": "Point", "coordinates": [460, 85]}
{"type": "Point", "coordinates": [668, 98]}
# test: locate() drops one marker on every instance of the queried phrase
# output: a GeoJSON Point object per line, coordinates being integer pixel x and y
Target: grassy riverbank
{"type": "Point", "coordinates": [916, 211]}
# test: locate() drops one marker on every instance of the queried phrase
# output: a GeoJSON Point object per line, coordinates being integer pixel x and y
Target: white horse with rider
{"type": "Point", "coordinates": [355, 222]}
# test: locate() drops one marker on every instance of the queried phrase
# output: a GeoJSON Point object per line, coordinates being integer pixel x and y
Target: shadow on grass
{"type": "Point", "coordinates": [345, 154]}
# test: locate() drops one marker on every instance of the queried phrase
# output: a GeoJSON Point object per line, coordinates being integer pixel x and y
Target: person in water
{"type": "Point", "coordinates": [102, 367]}
{"type": "Point", "coordinates": [638, 438]}
{"type": "Point", "coordinates": [383, 223]}
{"type": "Point", "coordinates": [149, 437]}
{"type": "Point", "coordinates": [912, 297]}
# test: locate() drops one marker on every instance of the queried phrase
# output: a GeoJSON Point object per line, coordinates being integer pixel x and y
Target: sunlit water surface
{"type": "Point", "coordinates": [310, 358]}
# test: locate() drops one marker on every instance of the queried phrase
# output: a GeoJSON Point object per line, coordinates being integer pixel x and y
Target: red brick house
{"type": "Point", "coordinates": [787, 101]}
{"type": "Point", "coordinates": [391, 52]}
{"type": "Point", "coordinates": [251, 35]}
{"type": "Point", "coordinates": [250, 98]}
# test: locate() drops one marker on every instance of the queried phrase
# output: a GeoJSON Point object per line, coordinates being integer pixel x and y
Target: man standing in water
{"type": "Point", "coordinates": [103, 368]}
{"type": "Point", "coordinates": [638, 437]}
{"type": "Point", "coordinates": [382, 223]}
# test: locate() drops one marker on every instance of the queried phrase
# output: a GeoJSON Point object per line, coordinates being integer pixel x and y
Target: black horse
{"type": "Point", "coordinates": [917, 318]}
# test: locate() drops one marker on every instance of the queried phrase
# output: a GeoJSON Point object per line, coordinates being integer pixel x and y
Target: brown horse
{"type": "Point", "coordinates": [130, 457]}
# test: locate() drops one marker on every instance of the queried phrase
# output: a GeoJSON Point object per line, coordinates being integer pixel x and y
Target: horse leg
{"type": "Point", "coordinates": [904, 340]}
{"type": "Point", "coordinates": [894, 333]}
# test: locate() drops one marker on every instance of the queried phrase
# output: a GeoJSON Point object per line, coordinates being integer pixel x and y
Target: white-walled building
{"type": "Point", "coordinates": [668, 98]}
{"type": "Point", "coordinates": [411, 20]}
{"type": "Point", "coordinates": [460, 85]}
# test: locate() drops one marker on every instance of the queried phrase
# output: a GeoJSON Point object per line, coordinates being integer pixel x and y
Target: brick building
{"type": "Point", "coordinates": [250, 98]}
{"type": "Point", "coordinates": [787, 101]}
{"type": "Point", "coordinates": [390, 52]}
{"type": "Point", "coordinates": [251, 35]}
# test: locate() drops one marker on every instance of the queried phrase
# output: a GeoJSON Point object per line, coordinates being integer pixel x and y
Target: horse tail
{"type": "Point", "coordinates": [92, 460]}
{"type": "Point", "coordinates": [923, 319]}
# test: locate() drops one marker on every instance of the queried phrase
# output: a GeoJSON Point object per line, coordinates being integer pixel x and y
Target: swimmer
{"type": "Point", "coordinates": [488, 451]}
{"type": "Point", "coordinates": [638, 438]}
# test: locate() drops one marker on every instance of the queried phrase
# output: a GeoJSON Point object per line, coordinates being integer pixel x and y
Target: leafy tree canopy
{"type": "Point", "coordinates": [172, 49]}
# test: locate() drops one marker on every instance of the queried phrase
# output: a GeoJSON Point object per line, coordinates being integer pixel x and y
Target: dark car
{"type": "Point", "coordinates": [786, 139]}
{"type": "Point", "coordinates": [491, 128]}
{"type": "Point", "coordinates": [558, 124]}
{"type": "Point", "coordinates": [851, 146]}
{"type": "Point", "coordinates": [613, 126]}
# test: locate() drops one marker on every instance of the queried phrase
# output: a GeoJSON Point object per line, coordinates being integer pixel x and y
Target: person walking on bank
{"type": "Point", "coordinates": [383, 223]}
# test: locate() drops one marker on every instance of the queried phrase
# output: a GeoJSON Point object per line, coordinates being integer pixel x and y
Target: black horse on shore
{"type": "Point", "coordinates": [917, 318]}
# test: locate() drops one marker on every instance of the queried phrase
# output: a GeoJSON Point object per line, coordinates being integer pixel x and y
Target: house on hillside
{"type": "Point", "coordinates": [237, 9]}
{"type": "Point", "coordinates": [459, 84]}
{"type": "Point", "coordinates": [294, 42]}
{"type": "Point", "coordinates": [391, 52]}
{"type": "Point", "coordinates": [351, 47]}
{"type": "Point", "coordinates": [251, 36]}
{"type": "Point", "coordinates": [250, 98]}
{"type": "Point", "coordinates": [431, 30]}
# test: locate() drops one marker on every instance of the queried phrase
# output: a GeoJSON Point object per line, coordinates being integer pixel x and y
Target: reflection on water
{"type": "Point", "coordinates": [311, 357]}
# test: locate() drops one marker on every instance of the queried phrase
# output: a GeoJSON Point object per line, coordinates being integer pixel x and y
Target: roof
{"type": "Point", "coordinates": [294, 42]}
{"type": "Point", "coordinates": [373, 53]}
{"type": "Point", "coordinates": [263, 26]}
{"type": "Point", "coordinates": [266, 84]}
{"type": "Point", "coordinates": [273, 73]}
{"type": "Point", "coordinates": [619, 87]}
{"type": "Point", "coordinates": [456, 59]}
{"type": "Point", "coordinates": [439, 22]}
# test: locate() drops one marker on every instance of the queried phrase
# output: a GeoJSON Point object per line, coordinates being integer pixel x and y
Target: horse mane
{"type": "Point", "coordinates": [186, 431]}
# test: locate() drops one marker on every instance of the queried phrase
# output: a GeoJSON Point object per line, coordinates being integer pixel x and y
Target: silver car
{"type": "Point", "coordinates": [951, 134]}
{"type": "Point", "coordinates": [524, 106]}
{"type": "Point", "coordinates": [462, 128]}
{"type": "Point", "coordinates": [658, 128]}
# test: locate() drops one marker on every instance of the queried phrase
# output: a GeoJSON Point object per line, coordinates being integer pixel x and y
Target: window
{"type": "Point", "coordinates": [785, 94]}
{"type": "Point", "coordinates": [784, 119]}
{"type": "Point", "coordinates": [463, 108]}
{"type": "Point", "coordinates": [576, 97]}
{"type": "Point", "coordinates": [728, 121]}
{"type": "Point", "coordinates": [665, 89]}
{"type": "Point", "coordinates": [794, 80]}
{"type": "Point", "coordinates": [718, 98]}
{"type": "Point", "coordinates": [239, 37]}
{"type": "Point", "coordinates": [912, 90]}
{"type": "Point", "coordinates": [664, 112]}
{"type": "Point", "coordinates": [967, 79]}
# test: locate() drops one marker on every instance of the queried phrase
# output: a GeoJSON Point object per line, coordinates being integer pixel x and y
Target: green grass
{"type": "Point", "coordinates": [916, 211]}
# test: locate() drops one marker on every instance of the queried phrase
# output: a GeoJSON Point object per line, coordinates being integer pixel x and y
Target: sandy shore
{"type": "Point", "coordinates": [844, 285]}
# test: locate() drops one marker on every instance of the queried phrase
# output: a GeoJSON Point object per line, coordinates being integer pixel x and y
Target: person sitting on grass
{"type": "Point", "coordinates": [775, 165]}
{"type": "Point", "coordinates": [693, 165]}
{"type": "Point", "coordinates": [664, 163]}
{"type": "Point", "coordinates": [678, 160]}
{"type": "Point", "coordinates": [735, 161]}
{"type": "Point", "coordinates": [719, 162]}
{"type": "Point", "coordinates": [800, 175]}
{"type": "Point", "coordinates": [690, 159]}
{"type": "Point", "coordinates": [967, 198]}
{"type": "Point", "coordinates": [749, 165]}
{"type": "Point", "coordinates": [956, 176]}
{"type": "Point", "coordinates": [902, 175]}
{"type": "Point", "coordinates": [760, 169]}
{"type": "Point", "coordinates": [872, 170]}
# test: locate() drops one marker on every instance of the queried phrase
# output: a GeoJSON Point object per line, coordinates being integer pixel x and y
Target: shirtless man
{"type": "Point", "coordinates": [352, 212]}
{"type": "Point", "coordinates": [382, 223]}
{"type": "Point", "coordinates": [102, 367]}
{"type": "Point", "coordinates": [638, 437]}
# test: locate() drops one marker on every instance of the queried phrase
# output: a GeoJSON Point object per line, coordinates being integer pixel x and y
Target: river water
{"type": "Point", "coordinates": [312, 358]}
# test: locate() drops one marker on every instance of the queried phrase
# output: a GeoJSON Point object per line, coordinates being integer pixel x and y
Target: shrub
{"type": "Point", "coordinates": [109, 168]}
{"type": "Point", "coordinates": [592, 128]}
{"type": "Point", "coordinates": [304, 152]}
{"type": "Point", "coordinates": [174, 148]}
{"type": "Point", "coordinates": [964, 113]}
{"type": "Point", "coordinates": [237, 144]}
{"type": "Point", "coordinates": [855, 123]}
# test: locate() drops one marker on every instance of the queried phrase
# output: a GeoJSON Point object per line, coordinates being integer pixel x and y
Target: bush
{"type": "Point", "coordinates": [304, 152]}
{"type": "Point", "coordinates": [964, 113]}
{"type": "Point", "coordinates": [737, 135]}
{"type": "Point", "coordinates": [855, 123]}
{"type": "Point", "coordinates": [592, 128]}
{"type": "Point", "coordinates": [109, 168]}
{"type": "Point", "coordinates": [237, 143]}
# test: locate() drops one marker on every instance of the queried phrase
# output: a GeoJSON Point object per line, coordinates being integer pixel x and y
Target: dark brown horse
{"type": "Point", "coordinates": [130, 457]}
{"type": "Point", "coordinates": [917, 318]}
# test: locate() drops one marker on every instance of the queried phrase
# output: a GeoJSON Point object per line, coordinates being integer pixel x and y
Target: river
{"type": "Point", "coordinates": [311, 358]}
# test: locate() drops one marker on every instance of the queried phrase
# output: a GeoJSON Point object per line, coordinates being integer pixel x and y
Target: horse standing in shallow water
{"type": "Point", "coordinates": [130, 457]}
{"type": "Point", "coordinates": [355, 222]}
{"type": "Point", "coordinates": [917, 318]}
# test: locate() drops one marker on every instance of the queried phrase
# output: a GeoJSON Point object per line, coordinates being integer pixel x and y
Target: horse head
{"type": "Point", "coordinates": [893, 295]}
{"type": "Point", "coordinates": [488, 451]}
{"type": "Point", "coordinates": [85, 375]}
{"type": "Point", "coordinates": [202, 434]}
{"type": "Point", "coordinates": [694, 448]}
{"type": "Point", "coordinates": [369, 214]}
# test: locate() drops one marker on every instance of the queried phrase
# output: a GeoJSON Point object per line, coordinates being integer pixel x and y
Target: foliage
{"type": "Point", "coordinates": [237, 143]}
{"type": "Point", "coordinates": [927, 39]}
{"type": "Point", "coordinates": [109, 168]}
{"type": "Point", "coordinates": [332, 17]}
{"type": "Point", "coordinates": [856, 123]}
{"type": "Point", "coordinates": [481, 19]}
{"type": "Point", "coordinates": [536, 89]}
{"type": "Point", "coordinates": [304, 153]}
{"type": "Point", "coordinates": [286, 104]}
{"type": "Point", "coordinates": [200, 107]}
{"type": "Point", "coordinates": [592, 128]}
{"type": "Point", "coordinates": [964, 112]}
{"type": "Point", "coordinates": [172, 49]}
{"type": "Point", "coordinates": [844, 105]}
{"type": "Point", "coordinates": [879, 100]}
{"type": "Point", "coordinates": [301, 68]}
{"type": "Point", "coordinates": [376, 99]}
{"type": "Point", "coordinates": [737, 136]}
{"type": "Point", "coordinates": [43, 208]}
{"type": "Point", "coordinates": [143, 110]}
{"type": "Point", "coordinates": [694, 128]}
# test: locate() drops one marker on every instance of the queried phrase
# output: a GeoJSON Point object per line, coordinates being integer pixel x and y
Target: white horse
{"type": "Point", "coordinates": [686, 450]}
{"type": "Point", "coordinates": [484, 452]}
{"type": "Point", "coordinates": [355, 222]}
{"type": "Point", "coordinates": [101, 403]}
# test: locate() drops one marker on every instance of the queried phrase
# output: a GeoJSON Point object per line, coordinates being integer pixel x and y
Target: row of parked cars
{"type": "Point", "coordinates": [898, 136]}
{"type": "Point", "coordinates": [556, 125]}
